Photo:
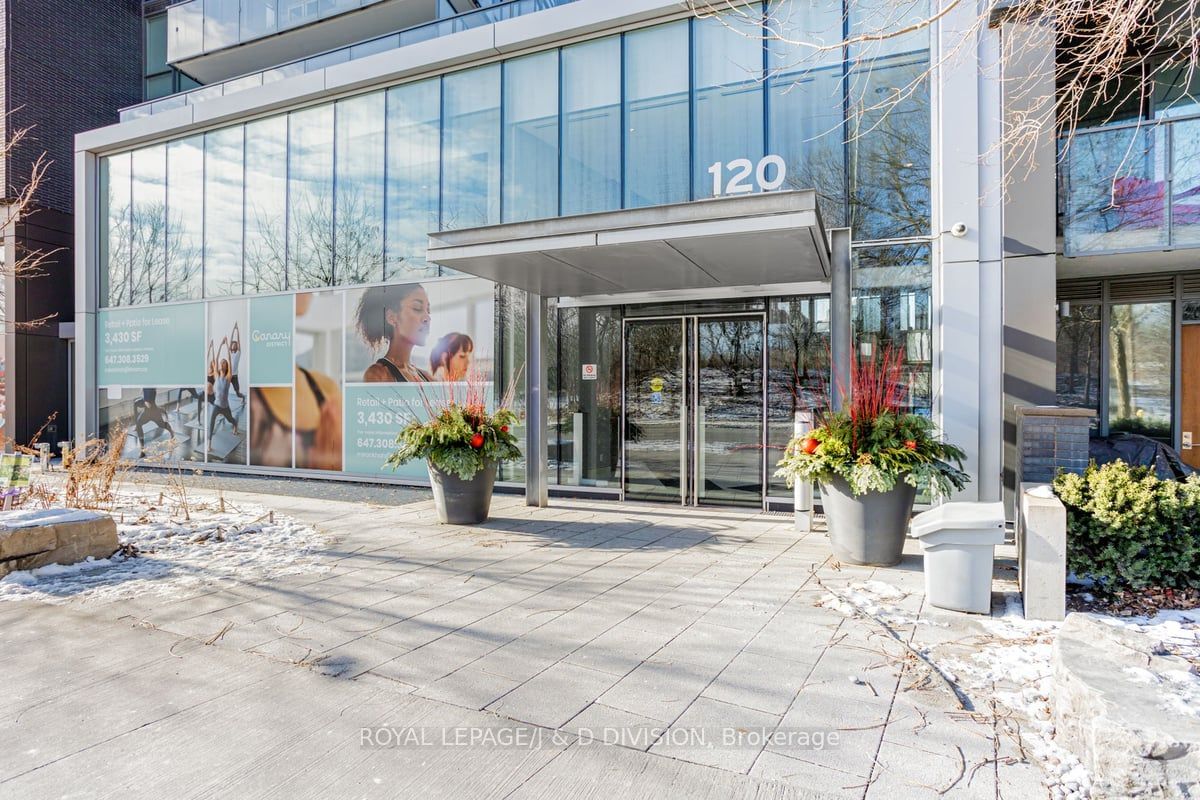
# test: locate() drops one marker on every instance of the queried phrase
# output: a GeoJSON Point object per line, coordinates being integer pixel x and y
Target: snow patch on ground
{"type": "Point", "coordinates": [880, 600]}
{"type": "Point", "coordinates": [1012, 667]}
{"type": "Point", "coordinates": [174, 555]}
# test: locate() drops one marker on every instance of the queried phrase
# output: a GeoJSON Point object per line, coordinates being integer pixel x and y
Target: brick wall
{"type": "Point", "coordinates": [68, 66]}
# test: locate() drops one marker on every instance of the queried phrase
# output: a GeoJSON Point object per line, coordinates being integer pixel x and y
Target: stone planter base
{"type": "Point", "coordinates": [868, 529]}
{"type": "Point", "coordinates": [462, 502]}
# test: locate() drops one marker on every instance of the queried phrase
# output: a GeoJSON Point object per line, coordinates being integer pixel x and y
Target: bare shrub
{"type": "Point", "coordinates": [95, 471]}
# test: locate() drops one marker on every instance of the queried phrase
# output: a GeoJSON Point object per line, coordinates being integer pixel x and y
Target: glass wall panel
{"type": "Point", "coordinates": [889, 125]}
{"type": "Point", "coordinates": [1078, 346]}
{"type": "Point", "coordinates": [510, 367]}
{"type": "Point", "coordinates": [220, 24]}
{"type": "Point", "coordinates": [471, 148]}
{"type": "Point", "coordinates": [1140, 368]}
{"type": "Point", "coordinates": [223, 217]}
{"type": "Point", "coordinates": [1115, 191]}
{"type": "Point", "coordinates": [530, 170]}
{"type": "Point", "coordinates": [148, 248]}
{"type": "Point", "coordinates": [804, 88]}
{"type": "Point", "coordinates": [728, 68]}
{"type": "Point", "coordinates": [258, 18]}
{"type": "Point", "coordinates": [116, 174]}
{"type": "Point", "coordinates": [591, 120]}
{"type": "Point", "coordinates": [657, 121]}
{"type": "Point", "coordinates": [414, 146]}
{"type": "Point", "coordinates": [1185, 183]}
{"type": "Point", "coordinates": [798, 363]}
{"type": "Point", "coordinates": [587, 413]}
{"type": "Point", "coordinates": [358, 214]}
{"type": "Point", "coordinates": [891, 308]}
{"type": "Point", "coordinates": [266, 205]}
{"type": "Point", "coordinates": [310, 198]}
{"type": "Point", "coordinates": [185, 218]}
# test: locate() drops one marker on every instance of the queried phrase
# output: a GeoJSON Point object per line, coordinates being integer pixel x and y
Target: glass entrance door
{"type": "Point", "coordinates": [729, 406]}
{"type": "Point", "coordinates": [694, 401]}
{"type": "Point", "coordinates": [655, 403]}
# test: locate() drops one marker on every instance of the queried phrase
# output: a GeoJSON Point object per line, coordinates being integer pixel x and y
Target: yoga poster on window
{"type": "Point", "coordinates": [226, 371]}
{"type": "Point", "coordinates": [151, 400]}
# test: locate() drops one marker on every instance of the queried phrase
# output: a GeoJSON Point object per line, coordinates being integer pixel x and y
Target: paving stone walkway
{"type": "Point", "coordinates": [690, 639]}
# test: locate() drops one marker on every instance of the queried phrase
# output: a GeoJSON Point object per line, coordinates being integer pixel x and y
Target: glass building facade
{"type": "Point", "coordinates": [344, 194]}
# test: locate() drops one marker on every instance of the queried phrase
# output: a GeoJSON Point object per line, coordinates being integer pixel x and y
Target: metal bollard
{"type": "Point", "coordinates": [802, 491]}
{"type": "Point", "coordinates": [44, 455]}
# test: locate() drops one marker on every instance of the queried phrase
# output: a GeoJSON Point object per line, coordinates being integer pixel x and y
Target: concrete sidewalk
{"type": "Point", "coordinates": [670, 627]}
{"type": "Point", "coordinates": [94, 708]}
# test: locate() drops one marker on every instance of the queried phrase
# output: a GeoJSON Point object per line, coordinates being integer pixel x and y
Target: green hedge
{"type": "Point", "coordinates": [1128, 529]}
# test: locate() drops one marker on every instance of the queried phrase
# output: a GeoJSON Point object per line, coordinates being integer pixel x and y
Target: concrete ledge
{"type": "Point", "coordinates": [1042, 552]}
{"type": "Point", "coordinates": [38, 538]}
{"type": "Point", "coordinates": [1115, 716]}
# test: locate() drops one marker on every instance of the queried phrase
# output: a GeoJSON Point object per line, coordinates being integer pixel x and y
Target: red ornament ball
{"type": "Point", "coordinates": [810, 446]}
{"type": "Point", "coordinates": [477, 441]}
{"type": "Point", "coordinates": [504, 429]}
{"type": "Point", "coordinates": [911, 444]}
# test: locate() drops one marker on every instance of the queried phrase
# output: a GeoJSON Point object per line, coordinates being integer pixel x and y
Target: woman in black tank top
{"type": "Point", "coordinates": [399, 316]}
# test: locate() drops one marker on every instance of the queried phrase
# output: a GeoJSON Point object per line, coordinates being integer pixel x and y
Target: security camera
{"type": "Point", "coordinates": [959, 229]}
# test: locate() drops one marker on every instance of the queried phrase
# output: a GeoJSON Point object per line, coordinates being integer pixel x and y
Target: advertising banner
{"type": "Point", "coordinates": [153, 346]}
{"type": "Point", "coordinates": [226, 367]}
{"type": "Point", "coordinates": [271, 340]}
{"type": "Point", "coordinates": [317, 380]}
{"type": "Point", "coordinates": [409, 346]}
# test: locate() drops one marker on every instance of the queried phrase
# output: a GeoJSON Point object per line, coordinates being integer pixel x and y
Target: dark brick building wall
{"type": "Point", "coordinates": [67, 66]}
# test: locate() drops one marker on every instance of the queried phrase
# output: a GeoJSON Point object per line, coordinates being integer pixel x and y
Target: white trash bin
{"type": "Point", "coordinates": [959, 541]}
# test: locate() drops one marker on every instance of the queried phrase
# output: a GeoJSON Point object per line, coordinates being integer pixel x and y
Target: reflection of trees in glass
{"type": "Point", "coordinates": [266, 249]}
{"type": "Point", "coordinates": [1078, 345]}
{"type": "Point", "coordinates": [586, 336]}
{"type": "Point", "coordinates": [1116, 196]}
{"type": "Point", "coordinates": [732, 348]}
{"type": "Point", "coordinates": [1140, 371]}
{"type": "Point", "coordinates": [158, 256]}
{"type": "Point", "coordinates": [358, 239]}
{"type": "Point", "coordinates": [310, 238]}
{"type": "Point", "coordinates": [873, 174]}
{"type": "Point", "coordinates": [799, 355]}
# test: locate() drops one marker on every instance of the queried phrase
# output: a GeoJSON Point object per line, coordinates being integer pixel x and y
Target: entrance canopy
{"type": "Point", "coordinates": [749, 240]}
{"type": "Point", "coordinates": [737, 241]}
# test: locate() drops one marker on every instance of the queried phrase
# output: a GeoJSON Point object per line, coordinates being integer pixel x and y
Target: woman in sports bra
{"type": "Point", "coordinates": [398, 315]}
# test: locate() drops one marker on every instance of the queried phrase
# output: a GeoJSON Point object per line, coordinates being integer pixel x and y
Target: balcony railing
{"type": "Point", "coordinates": [202, 26]}
{"type": "Point", "coordinates": [369, 47]}
{"type": "Point", "coordinates": [1132, 187]}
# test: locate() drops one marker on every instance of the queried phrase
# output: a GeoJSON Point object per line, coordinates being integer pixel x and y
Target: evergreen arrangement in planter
{"type": "Point", "coordinates": [869, 461]}
{"type": "Point", "coordinates": [462, 442]}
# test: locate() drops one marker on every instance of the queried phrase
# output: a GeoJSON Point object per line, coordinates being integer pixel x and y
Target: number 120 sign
{"type": "Point", "coordinates": [768, 174]}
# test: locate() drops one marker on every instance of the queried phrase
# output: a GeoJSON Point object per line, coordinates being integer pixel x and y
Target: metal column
{"type": "Point", "coordinates": [841, 331]}
{"type": "Point", "coordinates": [536, 490]}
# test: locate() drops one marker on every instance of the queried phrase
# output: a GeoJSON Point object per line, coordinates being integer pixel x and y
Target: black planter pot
{"type": "Point", "coordinates": [462, 502]}
{"type": "Point", "coordinates": [868, 529]}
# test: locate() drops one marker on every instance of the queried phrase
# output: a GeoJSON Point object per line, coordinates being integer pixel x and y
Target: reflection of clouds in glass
{"type": "Point", "coordinates": [413, 174]}
{"type": "Point", "coordinates": [310, 195]}
{"type": "Point", "coordinates": [358, 216]}
{"type": "Point", "coordinates": [223, 211]}
{"type": "Point", "coordinates": [471, 163]}
{"type": "Point", "coordinates": [185, 217]}
{"type": "Point", "coordinates": [266, 197]}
